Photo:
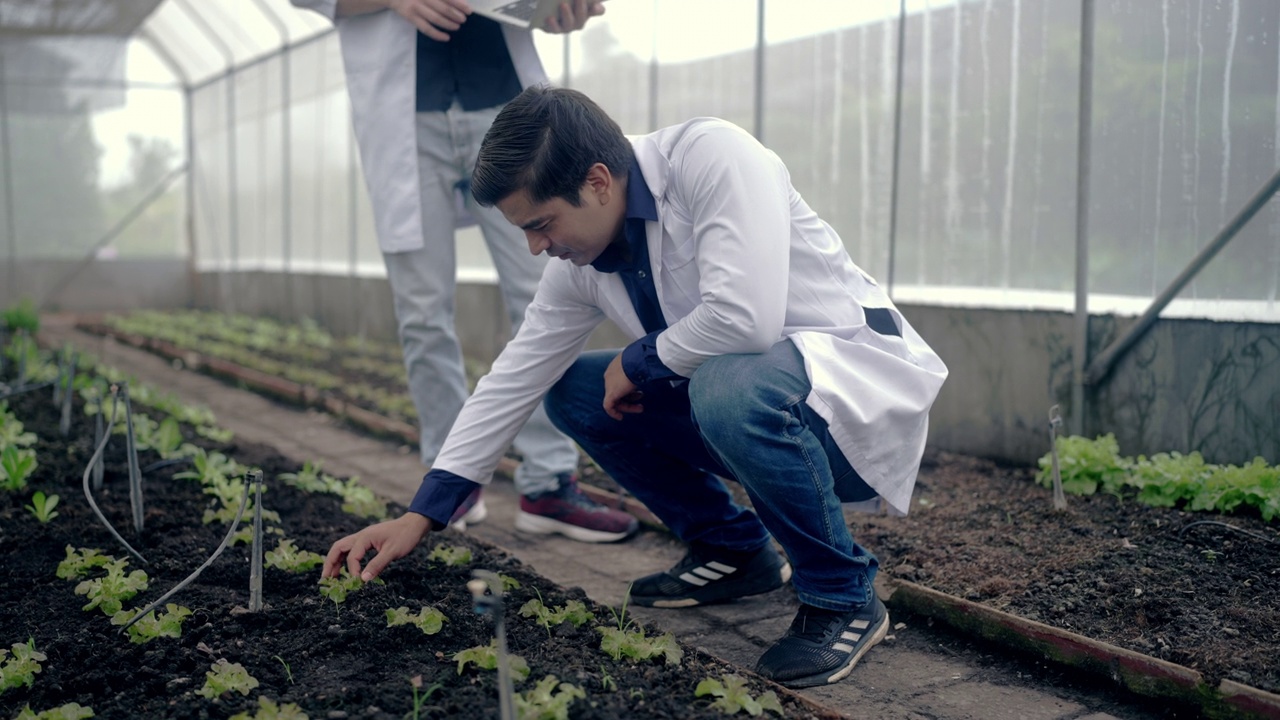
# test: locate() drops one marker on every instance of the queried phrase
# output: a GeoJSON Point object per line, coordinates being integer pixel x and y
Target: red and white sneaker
{"type": "Point", "coordinates": [567, 511]}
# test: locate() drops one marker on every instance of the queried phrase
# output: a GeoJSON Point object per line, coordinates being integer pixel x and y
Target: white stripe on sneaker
{"type": "Point", "coordinates": [708, 574]}
{"type": "Point", "coordinates": [860, 624]}
{"type": "Point", "coordinates": [842, 647]}
{"type": "Point", "coordinates": [693, 579]}
{"type": "Point", "coordinates": [853, 636]}
{"type": "Point", "coordinates": [726, 569]}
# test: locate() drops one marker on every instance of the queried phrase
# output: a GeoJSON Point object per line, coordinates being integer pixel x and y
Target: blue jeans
{"type": "Point", "coordinates": [740, 417]}
{"type": "Point", "coordinates": [423, 283]}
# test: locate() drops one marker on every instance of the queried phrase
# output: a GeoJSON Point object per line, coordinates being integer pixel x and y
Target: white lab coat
{"type": "Point", "coordinates": [379, 53]}
{"type": "Point", "coordinates": [739, 263]}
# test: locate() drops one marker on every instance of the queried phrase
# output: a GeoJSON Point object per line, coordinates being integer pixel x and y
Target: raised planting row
{"type": "Point", "coordinates": [164, 609]}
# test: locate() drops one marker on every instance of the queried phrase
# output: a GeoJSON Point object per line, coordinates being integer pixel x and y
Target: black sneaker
{"type": "Point", "coordinates": [712, 576]}
{"type": "Point", "coordinates": [822, 646]}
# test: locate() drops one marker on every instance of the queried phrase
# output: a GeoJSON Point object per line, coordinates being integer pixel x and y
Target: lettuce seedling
{"type": "Point", "coordinates": [226, 677]}
{"type": "Point", "coordinates": [485, 657]}
{"type": "Point", "coordinates": [70, 711]}
{"type": "Point", "coordinates": [337, 589]}
{"type": "Point", "coordinates": [268, 709]}
{"type": "Point", "coordinates": [450, 555]}
{"type": "Point", "coordinates": [168, 624]}
{"type": "Point", "coordinates": [636, 647]}
{"type": "Point", "coordinates": [732, 697]}
{"type": "Point", "coordinates": [42, 506]}
{"type": "Point", "coordinates": [429, 620]}
{"type": "Point", "coordinates": [78, 563]}
{"type": "Point", "coordinates": [110, 592]}
{"type": "Point", "coordinates": [544, 704]}
{"type": "Point", "coordinates": [21, 668]}
{"type": "Point", "coordinates": [289, 558]}
{"type": "Point", "coordinates": [307, 479]}
{"type": "Point", "coordinates": [16, 465]}
{"type": "Point", "coordinates": [574, 612]}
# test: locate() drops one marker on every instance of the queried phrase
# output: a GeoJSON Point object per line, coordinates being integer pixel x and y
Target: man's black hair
{"type": "Point", "coordinates": [543, 142]}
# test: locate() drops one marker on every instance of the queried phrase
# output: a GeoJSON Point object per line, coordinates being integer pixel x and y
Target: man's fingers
{"type": "Point", "coordinates": [333, 560]}
{"type": "Point", "coordinates": [375, 565]}
{"type": "Point", "coordinates": [355, 555]}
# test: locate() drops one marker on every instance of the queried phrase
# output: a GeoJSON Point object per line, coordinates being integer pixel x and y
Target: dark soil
{"type": "Point", "coordinates": [332, 661]}
{"type": "Point", "coordinates": [1174, 585]}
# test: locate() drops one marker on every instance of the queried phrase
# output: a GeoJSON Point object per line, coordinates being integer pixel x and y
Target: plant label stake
{"type": "Point", "coordinates": [97, 465]}
{"type": "Point", "coordinates": [21, 347]}
{"type": "Point", "coordinates": [131, 449]}
{"type": "Point", "coordinates": [1055, 421]}
{"type": "Point", "coordinates": [490, 603]}
{"type": "Point", "coordinates": [64, 423]}
{"type": "Point", "coordinates": [255, 563]}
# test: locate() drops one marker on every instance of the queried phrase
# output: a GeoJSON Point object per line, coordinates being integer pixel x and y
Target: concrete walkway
{"type": "Point", "coordinates": [917, 673]}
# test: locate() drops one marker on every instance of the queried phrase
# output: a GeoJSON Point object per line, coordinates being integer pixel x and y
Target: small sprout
{"type": "Point", "coordinates": [226, 677]}
{"type": "Point", "coordinates": [287, 672]}
{"type": "Point", "coordinates": [21, 668]}
{"type": "Point", "coordinates": [268, 709]}
{"type": "Point", "coordinates": [429, 620]}
{"type": "Point", "coordinates": [70, 711]}
{"type": "Point", "coordinates": [78, 563]}
{"type": "Point", "coordinates": [168, 624]}
{"type": "Point", "coordinates": [42, 506]}
{"type": "Point", "coordinates": [110, 592]}
{"type": "Point", "coordinates": [16, 465]}
{"type": "Point", "coordinates": [485, 657]}
{"type": "Point", "coordinates": [574, 612]}
{"type": "Point", "coordinates": [732, 696]}
{"type": "Point", "coordinates": [541, 702]}
{"type": "Point", "coordinates": [289, 558]}
{"type": "Point", "coordinates": [606, 680]}
{"type": "Point", "coordinates": [307, 479]}
{"type": "Point", "coordinates": [419, 697]}
{"type": "Point", "coordinates": [337, 589]}
{"type": "Point", "coordinates": [635, 647]}
{"type": "Point", "coordinates": [451, 555]}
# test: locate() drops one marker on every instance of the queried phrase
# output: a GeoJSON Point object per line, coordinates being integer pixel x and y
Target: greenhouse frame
{"type": "Point", "coordinates": [1073, 202]}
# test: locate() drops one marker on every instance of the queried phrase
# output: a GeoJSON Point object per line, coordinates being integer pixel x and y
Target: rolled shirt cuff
{"type": "Point", "coordinates": [641, 364]}
{"type": "Point", "coordinates": [440, 495]}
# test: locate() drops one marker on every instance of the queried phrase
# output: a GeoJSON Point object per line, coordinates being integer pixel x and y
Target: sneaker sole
{"type": "Point", "coordinates": [476, 514]}
{"type": "Point", "coordinates": [541, 525]}
{"type": "Point", "coordinates": [784, 573]}
{"type": "Point", "coordinates": [840, 673]}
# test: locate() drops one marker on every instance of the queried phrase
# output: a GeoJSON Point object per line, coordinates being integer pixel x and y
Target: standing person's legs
{"type": "Point", "coordinates": [547, 454]}
{"type": "Point", "coordinates": [751, 411]}
{"type": "Point", "coordinates": [422, 287]}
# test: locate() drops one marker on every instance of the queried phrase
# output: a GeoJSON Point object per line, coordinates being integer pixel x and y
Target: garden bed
{"type": "Point", "coordinates": [333, 661]}
{"type": "Point", "coordinates": [1199, 603]}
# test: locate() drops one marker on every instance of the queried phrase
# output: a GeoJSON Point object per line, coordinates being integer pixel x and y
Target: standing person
{"type": "Point", "coordinates": [761, 353]}
{"type": "Point", "coordinates": [429, 76]}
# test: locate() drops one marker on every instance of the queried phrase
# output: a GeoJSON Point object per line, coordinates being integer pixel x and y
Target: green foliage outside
{"type": "Point", "coordinates": [1163, 480]}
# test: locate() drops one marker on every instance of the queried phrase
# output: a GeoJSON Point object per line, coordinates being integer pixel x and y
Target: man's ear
{"type": "Point", "coordinates": [600, 183]}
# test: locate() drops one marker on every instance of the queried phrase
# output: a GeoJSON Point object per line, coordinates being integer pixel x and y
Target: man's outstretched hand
{"type": "Point", "coordinates": [572, 15]}
{"type": "Point", "coordinates": [392, 540]}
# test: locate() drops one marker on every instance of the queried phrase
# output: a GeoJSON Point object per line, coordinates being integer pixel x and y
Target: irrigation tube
{"type": "Point", "coordinates": [234, 524]}
{"type": "Point", "coordinates": [88, 470]}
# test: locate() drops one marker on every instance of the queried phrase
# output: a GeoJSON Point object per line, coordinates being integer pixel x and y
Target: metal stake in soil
{"type": "Point", "coordinates": [1055, 421]}
{"type": "Point", "coordinates": [255, 563]}
{"type": "Point", "coordinates": [96, 466]}
{"type": "Point", "coordinates": [491, 603]}
{"type": "Point", "coordinates": [96, 461]}
{"type": "Point", "coordinates": [131, 450]}
{"type": "Point", "coordinates": [64, 422]}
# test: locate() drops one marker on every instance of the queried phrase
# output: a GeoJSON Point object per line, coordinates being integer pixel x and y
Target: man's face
{"type": "Point", "coordinates": [561, 230]}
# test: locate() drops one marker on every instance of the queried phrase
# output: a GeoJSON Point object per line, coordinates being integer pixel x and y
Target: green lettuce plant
{"type": "Point", "coordinates": [732, 697]}
{"type": "Point", "coordinates": [622, 641]}
{"type": "Point", "coordinates": [110, 592]}
{"type": "Point", "coordinates": [574, 612]}
{"type": "Point", "coordinates": [336, 589]}
{"type": "Point", "coordinates": [70, 711]}
{"type": "Point", "coordinates": [80, 563]}
{"type": "Point", "coordinates": [429, 620]}
{"type": "Point", "coordinates": [42, 506]}
{"type": "Point", "coordinates": [289, 558]}
{"type": "Point", "coordinates": [16, 465]}
{"type": "Point", "coordinates": [226, 677]}
{"type": "Point", "coordinates": [18, 667]}
{"type": "Point", "coordinates": [269, 709]}
{"type": "Point", "coordinates": [549, 699]}
{"type": "Point", "coordinates": [485, 657]}
{"type": "Point", "coordinates": [450, 555]}
{"type": "Point", "coordinates": [167, 624]}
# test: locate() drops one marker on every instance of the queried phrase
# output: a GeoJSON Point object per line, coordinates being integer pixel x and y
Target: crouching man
{"type": "Point", "coordinates": [761, 354]}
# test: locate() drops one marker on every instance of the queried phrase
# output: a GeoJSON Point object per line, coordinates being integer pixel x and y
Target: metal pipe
{"type": "Point", "coordinates": [11, 227]}
{"type": "Point", "coordinates": [897, 147]}
{"type": "Point", "coordinates": [1107, 358]}
{"type": "Point", "coordinates": [1084, 122]}
{"type": "Point", "coordinates": [286, 159]}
